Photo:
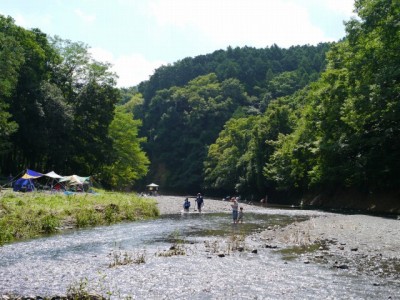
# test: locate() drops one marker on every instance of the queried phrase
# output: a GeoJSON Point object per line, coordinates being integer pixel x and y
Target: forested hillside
{"type": "Point", "coordinates": [186, 105]}
{"type": "Point", "coordinates": [255, 121]}
{"type": "Point", "coordinates": [57, 111]}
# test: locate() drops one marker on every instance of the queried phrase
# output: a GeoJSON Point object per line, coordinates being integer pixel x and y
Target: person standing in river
{"type": "Point", "coordinates": [235, 208]}
{"type": "Point", "coordinates": [200, 202]}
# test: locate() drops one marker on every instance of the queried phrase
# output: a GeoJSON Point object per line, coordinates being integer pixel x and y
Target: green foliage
{"type": "Point", "coordinates": [183, 113]}
{"type": "Point", "coordinates": [127, 94]}
{"type": "Point", "coordinates": [182, 122]}
{"type": "Point", "coordinates": [224, 163]}
{"type": "Point", "coordinates": [128, 161]}
{"type": "Point", "coordinates": [93, 115]}
{"type": "Point", "coordinates": [27, 215]}
{"type": "Point", "coordinates": [347, 133]}
{"type": "Point", "coordinates": [11, 59]}
{"type": "Point", "coordinates": [236, 160]}
{"type": "Point", "coordinates": [248, 65]}
{"type": "Point", "coordinates": [56, 108]}
{"type": "Point", "coordinates": [50, 223]}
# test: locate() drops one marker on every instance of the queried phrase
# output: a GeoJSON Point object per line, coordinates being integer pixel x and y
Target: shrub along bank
{"type": "Point", "coordinates": [28, 215]}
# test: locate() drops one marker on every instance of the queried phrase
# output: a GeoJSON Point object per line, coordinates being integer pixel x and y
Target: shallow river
{"type": "Point", "coordinates": [92, 259]}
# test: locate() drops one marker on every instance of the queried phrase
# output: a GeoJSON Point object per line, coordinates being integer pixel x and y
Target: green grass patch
{"type": "Point", "coordinates": [28, 215]}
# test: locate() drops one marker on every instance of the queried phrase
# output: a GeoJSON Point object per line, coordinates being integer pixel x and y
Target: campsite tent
{"type": "Point", "coordinates": [152, 188]}
{"type": "Point", "coordinates": [75, 179]}
{"type": "Point", "coordinates": [23, 185]}
{"type": "Point", "coordinates": [53, 182]}
{"type": "Point", "coordinates": [30, 174]}
{"type": "Point", "coordinates": [76, 183]}
{"type": "Point", "coordinates": [53, 175]}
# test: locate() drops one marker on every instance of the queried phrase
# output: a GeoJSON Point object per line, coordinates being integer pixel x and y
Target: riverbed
{"type": "Point", "coordinates": [201, 256]}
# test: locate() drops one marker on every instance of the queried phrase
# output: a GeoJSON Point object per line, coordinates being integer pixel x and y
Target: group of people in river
{"type": "Point", "coordinates": [237, 212]}
{"type": "Point", "coordinates": [199, 203]}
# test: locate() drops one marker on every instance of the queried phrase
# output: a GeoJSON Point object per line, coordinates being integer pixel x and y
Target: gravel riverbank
{"type": "Point", "coordinates": [174, 205]}
{"type": "Point", "coordinates": [327, 256]}
{"type": "Point", "coordinates": [361, 244]}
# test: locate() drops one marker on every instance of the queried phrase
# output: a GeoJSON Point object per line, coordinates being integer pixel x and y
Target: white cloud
{"type": "Point", "coordinates": [344, 7]}
{"type": "Point", "coordinates": [21, 21]}
{"type": "Point", "coordinates": [131, 69]}
{"type": "Point", "coordinates": [87, 18]}
{"type": "Point", "coordinates": [257, 23]}
{"type": "Point", "coordinates": [37, 21]}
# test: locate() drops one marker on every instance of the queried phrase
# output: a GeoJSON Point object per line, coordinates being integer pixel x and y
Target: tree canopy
{"type": "Point", "coordinates": [242, 120]}
{"type": "Point", "coordinates": [57, 109]}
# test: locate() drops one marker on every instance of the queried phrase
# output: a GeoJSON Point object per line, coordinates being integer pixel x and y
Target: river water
{"type": "Point", "coordinates": [92, 260]}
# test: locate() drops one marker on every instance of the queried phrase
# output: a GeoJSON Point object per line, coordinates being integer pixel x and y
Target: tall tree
{"type": "Point", "coordinates": [93, 114]}
{"type": "Point", "coordinates": [347, 133]}
{"type": "Point", "coordinates": [11, 59]}
{"type": "Point", "coordinates": [128, 162]}
{"type": "Point", "coordinates": [223, 168]}
{"type": "Point", "coordinates": [30, 60]}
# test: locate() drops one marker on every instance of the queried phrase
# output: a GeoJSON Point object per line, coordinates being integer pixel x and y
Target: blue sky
{"type": "Point", "coordinates": [138, 36]}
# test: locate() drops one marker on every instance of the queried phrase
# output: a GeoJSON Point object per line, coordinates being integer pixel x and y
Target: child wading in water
{"type": "Point", "coordinates": [186, 205]}
{"type": "Point", "coordinates": [240, 215]}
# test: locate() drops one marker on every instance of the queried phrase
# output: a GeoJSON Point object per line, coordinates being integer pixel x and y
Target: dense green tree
{"type": "Point", "coordinates": [128, 161]}
{"type": "Point", "coordinates": [235, 161]}
{"type": "Point", "coordinates": [11, 58]}
{"type": "Point", "coordinates": [57, 119]}
{"type": "Point", "coordinates": [372, 106]}
{"type": "Point", "coordinates": [182, 122]}
{"type": "Point", "coordinates": [60, 98]}
{"type": "Point", "coordinates": [127, 94]}
{"type": "Point", "coordinates": [223, 167]}
{"type": "Point", "coordinates": [82, 92]}
{"type": "Point", "coordinates": [93, 113]}
{"type": "Point", "coordinates": [294, 155]}
{"type": "Point", "coordinates": [31, 60]}
{"type": "Point", "coordinates": [346, 136]}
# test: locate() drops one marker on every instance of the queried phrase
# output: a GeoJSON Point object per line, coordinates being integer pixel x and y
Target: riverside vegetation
{"type": "Point", "coordinates": [28, 215]}
{"type": "Point", "coordinates": [312, 125]}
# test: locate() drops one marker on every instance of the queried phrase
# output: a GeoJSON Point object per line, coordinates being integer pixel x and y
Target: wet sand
{"type": "Point", "coordinates": [358, 243]}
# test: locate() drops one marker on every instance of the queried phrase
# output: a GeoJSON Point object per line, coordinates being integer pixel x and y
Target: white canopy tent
{"type": "Point", "coordinates": [152, 189]}
{"type": "Point", "coordinates": [152, 185]}
{"type": "Point", "coordinates": [53, 175]}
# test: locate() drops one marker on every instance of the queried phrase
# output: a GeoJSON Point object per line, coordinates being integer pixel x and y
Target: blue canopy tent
{"type": "Point", "coordinates": [30, 174]}
{"type": "Point", "coordinates": [25, 183]}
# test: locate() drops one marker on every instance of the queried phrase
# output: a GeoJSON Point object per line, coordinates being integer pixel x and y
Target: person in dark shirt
{"type": "Point", "coordinates": [199, 201]}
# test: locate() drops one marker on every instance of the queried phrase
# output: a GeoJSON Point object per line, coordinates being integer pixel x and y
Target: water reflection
{"type": "Point", "coordinates": [49, 266]}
